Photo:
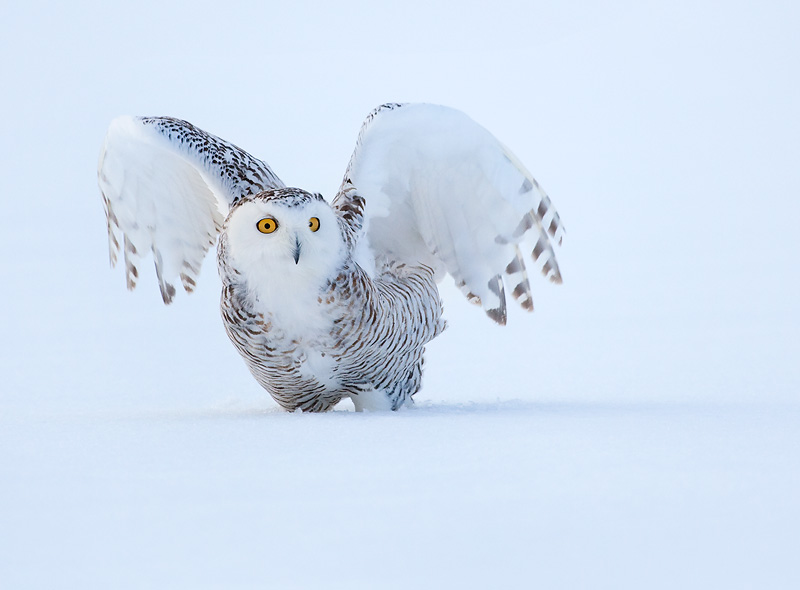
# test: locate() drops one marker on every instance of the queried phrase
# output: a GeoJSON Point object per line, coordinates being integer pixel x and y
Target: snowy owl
{"type": "Point", "coordinates": [325, 301]}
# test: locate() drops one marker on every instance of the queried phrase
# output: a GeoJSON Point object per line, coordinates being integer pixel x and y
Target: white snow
{"type": "Point", "coordinates": [504, 494]}
{"type": "Point", "coordinates": [640, 430]}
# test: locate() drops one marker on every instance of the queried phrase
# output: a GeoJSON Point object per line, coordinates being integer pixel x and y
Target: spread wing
{"type": "Point", "coordinates": [167, 187]}
{"type": "Point", "coordinates": [436, 188]}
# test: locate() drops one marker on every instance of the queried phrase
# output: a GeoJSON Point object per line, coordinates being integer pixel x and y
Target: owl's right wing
{"type": "Point", "coordinates": [428, 185]}
{"type": "Point", "coordinates": [167, 187]}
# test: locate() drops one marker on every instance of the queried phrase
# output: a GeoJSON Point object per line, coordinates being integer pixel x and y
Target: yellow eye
{"type": "Point", "coordinates": [267, 225]}
{"type": "Point", "coordinates": [313, 223]}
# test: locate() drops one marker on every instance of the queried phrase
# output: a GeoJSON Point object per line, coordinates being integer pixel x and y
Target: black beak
{"type": "Point", "coordinates": [296, 253]}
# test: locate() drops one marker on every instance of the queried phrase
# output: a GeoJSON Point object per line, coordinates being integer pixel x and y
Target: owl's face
{"type": "Point", "coordinates": [287, 235]}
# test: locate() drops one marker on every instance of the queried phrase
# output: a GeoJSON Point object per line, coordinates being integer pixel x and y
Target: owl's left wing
{"type": "Point", "coordinates": [167, 187]}
{"type": "Point", "coordinates": [431, 186]}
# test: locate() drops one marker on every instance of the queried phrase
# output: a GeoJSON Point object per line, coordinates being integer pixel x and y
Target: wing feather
{"type": "Point", "coordinates": [167, 187]}
{"type": "Point", "coordinates": [438, 189]}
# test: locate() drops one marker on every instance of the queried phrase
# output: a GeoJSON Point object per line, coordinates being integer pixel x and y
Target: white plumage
{"type": "Point", "coordinates": [325, 301]}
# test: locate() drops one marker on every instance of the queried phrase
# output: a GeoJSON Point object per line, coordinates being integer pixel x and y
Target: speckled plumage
{"type": "Point", "coordinates": [344, 306]}
{"type": "Point", "coordinates": [373, 331]}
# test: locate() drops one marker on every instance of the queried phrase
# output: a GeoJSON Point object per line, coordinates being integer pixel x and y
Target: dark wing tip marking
{"type": "Point", "coordinates": [471, 297]}
{"type": "Point", "coordinates": [188, 282]}
{"type": "Point", "coordinates": [167, 292]}
{"type": "Point", "coordinates": [499, 313]}
{"type": "Point", "coordinates": [515, 266]}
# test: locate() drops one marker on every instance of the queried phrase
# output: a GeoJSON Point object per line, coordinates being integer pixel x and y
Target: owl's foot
{"type": "Point", "coordinates": [372, 400]}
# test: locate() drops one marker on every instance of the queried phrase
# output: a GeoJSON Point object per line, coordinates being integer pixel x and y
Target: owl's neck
{"type": "Point", "coordinates": [293, 297]}
{"type": "Point", "coordinates": [275, 285]}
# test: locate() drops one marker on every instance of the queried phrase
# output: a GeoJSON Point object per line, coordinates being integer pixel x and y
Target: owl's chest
{"type": "Point", "coordinates": [290, 324]}
{"type": "Point", "coordinates": [293, 348]}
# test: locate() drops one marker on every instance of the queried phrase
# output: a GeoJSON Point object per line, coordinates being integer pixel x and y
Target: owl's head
{"type": "Point", "coordinates": [283, 235]}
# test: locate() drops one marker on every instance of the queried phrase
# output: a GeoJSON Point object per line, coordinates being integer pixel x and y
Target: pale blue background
{"type": "Point", "coordinates": [640, 429]}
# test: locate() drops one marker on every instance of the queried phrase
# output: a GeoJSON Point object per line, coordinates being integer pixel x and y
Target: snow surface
{"type": "Point", "coordinates": [640, 430]}
{"type": "Point", "coordinates": [491, 495]}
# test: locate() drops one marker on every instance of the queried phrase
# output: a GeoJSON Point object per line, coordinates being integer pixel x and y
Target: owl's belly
{"type": "Point", "coordinates": [296, 373]}
{"type": "Point", "coordinates": [313, 375]}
